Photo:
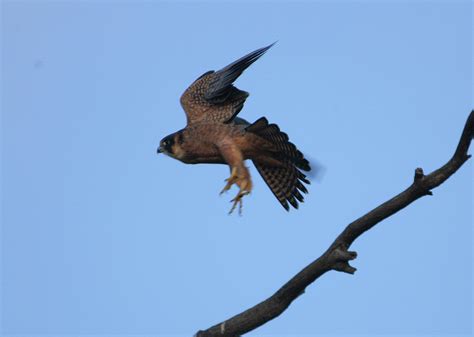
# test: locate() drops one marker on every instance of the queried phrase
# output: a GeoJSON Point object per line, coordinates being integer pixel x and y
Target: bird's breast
{"type": "Point", "coordinates": [199, 142]}
{"type": "Point", "coordinates": [200, 151]}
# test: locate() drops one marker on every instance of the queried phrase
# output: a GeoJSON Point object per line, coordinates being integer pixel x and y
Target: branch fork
{"type": "Point", "coordinates": [419, 180]}
{"type": "Point", "coordinates": [339, 258]}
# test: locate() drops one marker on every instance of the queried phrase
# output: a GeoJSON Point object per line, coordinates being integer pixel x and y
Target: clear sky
{"type": "Point", "coordinates": [100, 235]}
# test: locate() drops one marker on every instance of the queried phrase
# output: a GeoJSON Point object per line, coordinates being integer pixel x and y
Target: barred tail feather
{"type": "Point", "coordinates": [286, 183]}
{"type": "Point", "coordinates": [285, 180]}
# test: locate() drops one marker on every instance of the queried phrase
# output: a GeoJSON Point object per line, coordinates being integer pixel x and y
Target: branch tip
{"type": "Point", "coordinates": [352, 254]}
{"type": "Point", "coordinates": [301, 293]}
{"type": "Point", "coordinates": [342, 254]}
{"type": "Point", "coordinates": [419, 174]}
{"type": "Point", "coordinates": [345, 268]}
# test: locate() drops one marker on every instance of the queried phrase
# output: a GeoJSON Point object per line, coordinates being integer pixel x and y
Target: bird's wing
{"type": "Point", "coordinates": [213, 97]}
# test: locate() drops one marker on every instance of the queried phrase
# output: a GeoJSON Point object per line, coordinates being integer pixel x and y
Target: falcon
{"type": "Point", "coordinates": [215, 135]}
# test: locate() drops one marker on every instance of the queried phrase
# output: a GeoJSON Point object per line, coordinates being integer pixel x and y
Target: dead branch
{"type": "Point", "coordinates": [337, 256]}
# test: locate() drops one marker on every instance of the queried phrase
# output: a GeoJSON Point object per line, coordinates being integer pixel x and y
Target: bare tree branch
{"type": "Point", "coordinates": [337, 256]}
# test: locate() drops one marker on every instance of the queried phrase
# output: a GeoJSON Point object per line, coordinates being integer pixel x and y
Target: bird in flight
{"type": "Point", "coordinates": [214, 134]}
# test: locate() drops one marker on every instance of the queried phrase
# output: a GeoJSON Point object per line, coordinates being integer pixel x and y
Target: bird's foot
{"type": "Point", "coordinates": [231, 180]}
{"type": "Point", "coordinates": [242, 179]}
{"type": "Point", "coordinates": [245, 185]}
{"type": "Point", "coordinates": [238, 200]}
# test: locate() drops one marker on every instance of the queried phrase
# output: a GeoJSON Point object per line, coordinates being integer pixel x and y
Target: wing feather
{"type": "Point", "coordinates": [213, 97]}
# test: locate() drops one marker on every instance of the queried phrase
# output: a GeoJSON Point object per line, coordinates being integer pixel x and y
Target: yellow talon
{"type": "Point", "coordinates": [245, 186]}
{"type": "Point", "coordinates": [231, 180]}
{"type": "Point", "coordinates": [238, 200]}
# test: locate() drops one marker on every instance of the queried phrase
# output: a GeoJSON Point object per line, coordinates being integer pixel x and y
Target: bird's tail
{"type": "Point", "coordinates": [285, 180]}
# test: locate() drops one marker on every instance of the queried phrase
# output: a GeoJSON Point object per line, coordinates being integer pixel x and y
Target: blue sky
{"type": "Point", "coordinates": [101, 235]}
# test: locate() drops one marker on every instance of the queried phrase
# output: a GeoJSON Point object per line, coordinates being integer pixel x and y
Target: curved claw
{"type": "Point", "coordinates": [241, 178]}
{"type": "Point", "coordinates": [238, 200]}
{"type": "Point", "coordinates": [231, 180]}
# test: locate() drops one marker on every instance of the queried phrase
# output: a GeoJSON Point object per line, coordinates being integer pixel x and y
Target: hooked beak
{"type": "Point", "coordinates": [159, 150]}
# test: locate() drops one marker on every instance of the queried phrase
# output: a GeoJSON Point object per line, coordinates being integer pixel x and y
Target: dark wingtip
{"type": "Point", "coordinates": [227, 75]}
{"type": "Point", "coordinates": [260, 51]}
{"type": "Point", "coordinates": [255, 55]}
{"type": "Point", "coordinates": [271, 45]}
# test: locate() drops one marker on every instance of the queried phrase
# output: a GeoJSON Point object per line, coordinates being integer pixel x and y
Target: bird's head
{"type": "Point", "coordinates": [171, 145]}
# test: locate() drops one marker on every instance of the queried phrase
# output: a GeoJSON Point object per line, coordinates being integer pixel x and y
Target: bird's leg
{"type": "Point", "coordinates": [245, 187]}
{"type": "Point", "coordinates": [239, 174]}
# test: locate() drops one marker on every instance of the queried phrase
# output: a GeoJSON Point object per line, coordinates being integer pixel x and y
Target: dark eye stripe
{"type": "Point", "coordinates": [180, 138]}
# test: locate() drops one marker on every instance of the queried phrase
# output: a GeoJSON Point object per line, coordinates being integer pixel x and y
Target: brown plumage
{"type": "Point", "coordinates": [214, 134]}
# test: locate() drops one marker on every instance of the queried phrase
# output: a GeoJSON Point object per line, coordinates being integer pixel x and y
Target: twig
{"type": "Point", "coordinates": [337, 256]}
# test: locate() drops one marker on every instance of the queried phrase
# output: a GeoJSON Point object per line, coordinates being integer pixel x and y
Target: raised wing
{"type": "Point", "coordinates": [213, 97]}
